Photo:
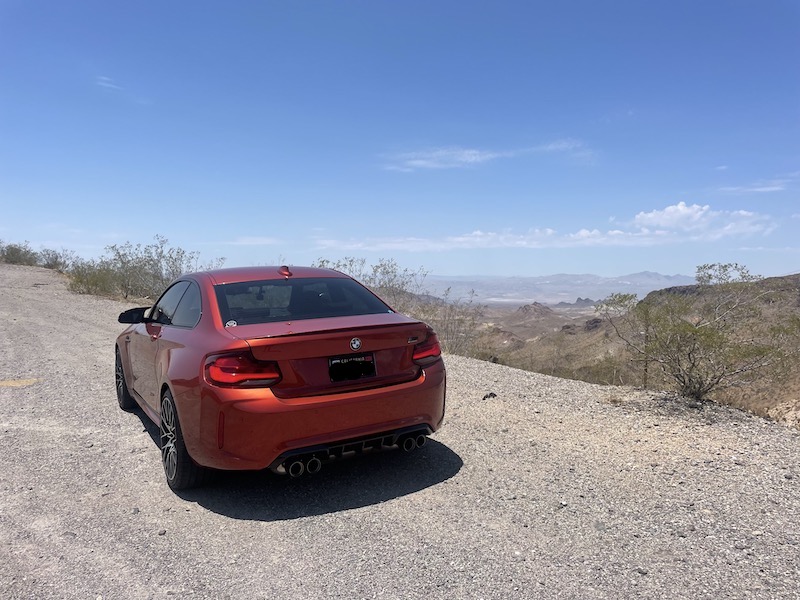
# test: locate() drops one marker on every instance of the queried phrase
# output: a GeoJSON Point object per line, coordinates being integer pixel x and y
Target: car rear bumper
{"type": "Point", "coordinates": [347, 448]}
{"type": "Point", "coordinates": [252, 429]}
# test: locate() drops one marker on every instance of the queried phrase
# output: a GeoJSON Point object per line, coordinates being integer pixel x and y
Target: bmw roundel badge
{"type": "Point", "coordinates": [355, 344]}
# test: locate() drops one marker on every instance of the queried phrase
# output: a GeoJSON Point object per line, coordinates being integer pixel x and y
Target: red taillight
{"type": "Point", "coordinates": [427, 352]}
{"type": "Point", "coordinates": [242, 370]}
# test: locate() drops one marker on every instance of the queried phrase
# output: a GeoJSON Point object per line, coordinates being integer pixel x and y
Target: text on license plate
{"type": "Point", "coordinates": [347, 368]}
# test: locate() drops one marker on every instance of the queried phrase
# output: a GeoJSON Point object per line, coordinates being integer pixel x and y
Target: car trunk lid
{"type": "Point", "coordinates": [338, 354]}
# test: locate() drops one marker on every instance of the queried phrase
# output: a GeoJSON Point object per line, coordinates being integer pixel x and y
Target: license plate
{"type": "Point", "coordinates": [348, 368]}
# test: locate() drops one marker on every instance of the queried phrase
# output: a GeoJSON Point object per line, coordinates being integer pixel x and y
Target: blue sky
{"type": "Point", "coordinates": [506, 138]}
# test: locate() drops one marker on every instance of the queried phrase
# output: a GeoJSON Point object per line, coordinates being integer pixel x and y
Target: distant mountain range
{"type": "Point", "coordinates": [551, 289]}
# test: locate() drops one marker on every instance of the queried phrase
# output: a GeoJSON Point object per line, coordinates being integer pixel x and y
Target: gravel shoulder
{"type": "Point", "coordinates": [536, 487]}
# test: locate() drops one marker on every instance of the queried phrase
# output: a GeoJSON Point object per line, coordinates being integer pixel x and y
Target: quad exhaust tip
{"type": "Point", "coordinates": [299, 465]}
{"type": "Point", "coordinates": [311, 464]}
{"type": "Point", "coordinates": [295, 468]}
{"type": "Point", "coordinates": [412, 442]}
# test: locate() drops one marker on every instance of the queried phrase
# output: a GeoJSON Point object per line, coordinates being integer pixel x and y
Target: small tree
{"type": "Point", "coordinates": [709, 336]}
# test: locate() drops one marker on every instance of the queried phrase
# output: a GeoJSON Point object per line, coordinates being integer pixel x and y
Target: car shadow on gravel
{"type": "Point", "coordinates": [342, 485]}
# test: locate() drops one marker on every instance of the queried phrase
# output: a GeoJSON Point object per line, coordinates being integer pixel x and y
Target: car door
{"type": "Point", "coordinates": [145, 345]}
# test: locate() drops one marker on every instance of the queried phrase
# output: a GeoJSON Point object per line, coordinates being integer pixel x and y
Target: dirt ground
{"type": "Point", "coordinates": [535, 487]}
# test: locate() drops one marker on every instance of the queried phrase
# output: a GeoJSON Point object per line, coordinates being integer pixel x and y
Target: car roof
{"type": "Point", "coordinates": [240, 274]}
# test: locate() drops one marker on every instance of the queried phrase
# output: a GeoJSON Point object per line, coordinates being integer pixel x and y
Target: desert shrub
{"type": "Point", "coordinates": [57, 260]}
{"type": "Point", "coordinates": [127, 270]}
{"type": "Point", "coordinates": [455, 320]}
{"type": "Point", "coordinates": [18, 254]}
{"type": "Point", "coordinates": [401, 288]}
{"type": "Point", "coordinates": [143, 271]}
{"type": "Point", "coordinates": [608, 370]}
{"type": "Point", "coordinates": [139, 270]}
{"type": "Point", "coordinates": [95, 277]}
{"type": "Point", "coordinates": [707, 337]}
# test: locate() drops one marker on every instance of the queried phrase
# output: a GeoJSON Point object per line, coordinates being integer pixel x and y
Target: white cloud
{"type": "Point", "coordinates": [776, 185]}
{"type": "Point", "coordinates": [456, 157]}
{"type": "Point", "coordinates": [443, 158]}
{"type": "Point", "coordinates": [570, 146]}
{"type": "Point", "coordinates": [676, 224]}
{"type": "Point", "coordinates": [112, 87]}
{"type": "Point", "coordinates": [677, 216]}
{"type": "Point", "coordinates": [563, 145]}
{"type": "Point", "coordinates": [682, 222]}
{"type": "Point", "coordinates": [535, 238]}
{"type": "Point", "coordinates": [761, 187]}
{"type": "Point", "coordinates": [107, 83]}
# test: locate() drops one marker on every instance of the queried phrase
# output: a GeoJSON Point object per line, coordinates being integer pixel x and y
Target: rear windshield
{"type": "Point", "coordinates": [293, 300]}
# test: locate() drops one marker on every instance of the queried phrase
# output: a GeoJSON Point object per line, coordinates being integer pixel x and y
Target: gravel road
{"type": "Point", "coordinates": [535, 487]}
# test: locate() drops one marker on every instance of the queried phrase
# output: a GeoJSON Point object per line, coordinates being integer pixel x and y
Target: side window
{"type": "Point", "coordinates": [164, 309]}
{"type": "Point", "coordinates": [188, 312]}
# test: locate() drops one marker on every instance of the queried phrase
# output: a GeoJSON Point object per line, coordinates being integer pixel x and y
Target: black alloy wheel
{"type": "Point", "coordinates": [124, 398]}
{"type": "Point", "coordinates": [181, 471]}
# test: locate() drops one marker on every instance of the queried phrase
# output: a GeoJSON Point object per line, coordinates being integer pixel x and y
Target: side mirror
{"type": "Point", "coordinates": [134, 315]}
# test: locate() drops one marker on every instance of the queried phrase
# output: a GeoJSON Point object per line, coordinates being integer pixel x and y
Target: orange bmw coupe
{"type": "Point", "coordinates": [277, 367]}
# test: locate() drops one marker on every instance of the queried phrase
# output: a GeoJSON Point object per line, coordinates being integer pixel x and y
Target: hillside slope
{"type": "Point", "coordinates": [574, 343]}
{"type": "Point", "coordinates": [536, 487]}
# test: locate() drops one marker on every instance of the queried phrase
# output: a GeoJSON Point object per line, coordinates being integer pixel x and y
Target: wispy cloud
{"type": "Point", "coordinates": [476, 239]}
{"type": "Point", "coordinates": [452, 157]}
{"type": "Point", "coordinates": [764, 186]}
{"type": "Point", "coordinates": [457, 157]}
{"type": "Point", "coordinates": [107, 83]}
{"type": "Point", "coordinates": [676, 224]}
{"type": "Point", "coordinates": [111, 87]}
{"type": "Point", "coordinates": [573, 147]}
{"type": "Point", "coordinates": [773, 185]}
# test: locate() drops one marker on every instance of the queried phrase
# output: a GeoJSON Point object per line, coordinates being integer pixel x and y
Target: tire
{"type": "Point", "coordinates": [124, 398]}
{"type": "Point", "coordinates": [181, 471]}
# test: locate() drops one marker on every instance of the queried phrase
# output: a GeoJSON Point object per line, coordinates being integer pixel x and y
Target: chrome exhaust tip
{"type": "Point", "coordinates": [313, 465]}
{"type": "Point", "coordinates": [295, 468]}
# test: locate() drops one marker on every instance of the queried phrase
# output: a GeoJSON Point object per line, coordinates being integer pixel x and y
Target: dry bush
{"type": "Point", "coordinates": [95, 277]}
{"type": "Point", "coordinates": [708, 337]}
{"type": "Point", "coordinates": [455, 320]}
{"type": "Point", "coordinates": [18, 254]}
{"type": "Point", "coordinates": [140, 271]}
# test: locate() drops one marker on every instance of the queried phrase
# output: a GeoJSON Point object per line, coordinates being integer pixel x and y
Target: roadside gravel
{"type": "Point", "coordinates": [536, 487]}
